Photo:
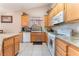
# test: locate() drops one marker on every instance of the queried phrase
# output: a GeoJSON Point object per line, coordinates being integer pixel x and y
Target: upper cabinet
{"type": "Point", "coordinates": [60, 7]}
{"type": "Point", "coordinates": [55, 13]}
{"type": "Point", "coordinates": [24, 20]}
{"type": "Point", "coordinates": [56, 9]}
{"type": "Point", "coordinates": [71, 12]}
{"type": "Point", "coordinates": [46, 21]}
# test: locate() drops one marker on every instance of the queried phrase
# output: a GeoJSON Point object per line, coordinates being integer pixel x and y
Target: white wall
{"type": "Point", "coordinates": [16, 25]}
{"type": "Point", "coordinates": [38, 12]}
{"type": "Point", "coordinates": [11, 27]}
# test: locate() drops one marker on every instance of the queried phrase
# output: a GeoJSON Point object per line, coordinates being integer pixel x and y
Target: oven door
{"type": "Point", "coordinates": [51, 43]}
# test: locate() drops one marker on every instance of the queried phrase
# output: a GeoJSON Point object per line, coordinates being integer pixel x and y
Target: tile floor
{"type": "Point", "coordinates": [28, 49]}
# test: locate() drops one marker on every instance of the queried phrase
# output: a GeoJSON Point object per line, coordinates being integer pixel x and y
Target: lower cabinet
{"type": "Point", "coordinates": [11, 45]}
{"type": "Point", "coordinates": [0, 53]}
{"type": "Point", "coordinates": [16, 44]}
{"type": "Point", "coordinates": [65, 49]}
{"type": "Point", "coordinates": [73, 51]}
{"type": "Point", "coordinates": [8, 47]}
{"type": "Point", "coordinates": [61, 48]}
{"type": "Point", "coordinates": [21, 36]}
{"type": "Point", "coordinates": [39, 36]}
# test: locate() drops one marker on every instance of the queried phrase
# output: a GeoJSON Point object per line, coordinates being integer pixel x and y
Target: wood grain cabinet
{"type": "Point", "coordinates": [21, 36]}
{"type": "Point", "coordinates": [55, 10]}
{"type": "Point", "coordinates": [38, 35]}
{"type": "Point", "coordinates": [11, 45]}
{"type": "Point", "coordinates": [24, 20]}
{"type": "Point", "coordinates": [17, 44]}
{"type": "Point", "coordinates": [46, 20]}
{"type": "Point", "coordinates": [71, 12]}
{"type": "Point", "coordinates": [0, 53]}
{"type": "Point", "coordinates": [61, 48]}
{"type": "Point", "coordinates": [60, 7]}
{"type": "Point", "coordinates": [8, 47]}
{"type": "Point", "coordinates": [73, 50]}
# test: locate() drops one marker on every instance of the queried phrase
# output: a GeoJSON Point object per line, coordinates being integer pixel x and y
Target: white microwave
{"type": "Point", "coordinates": [59, 18]}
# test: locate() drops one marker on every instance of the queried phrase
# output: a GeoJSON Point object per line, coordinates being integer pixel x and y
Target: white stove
{"type": "Point", "coordinates": [51, 43]}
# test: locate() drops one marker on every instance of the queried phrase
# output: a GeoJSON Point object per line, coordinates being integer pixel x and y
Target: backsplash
{"type": "Point", "coordinates": [67, 28]}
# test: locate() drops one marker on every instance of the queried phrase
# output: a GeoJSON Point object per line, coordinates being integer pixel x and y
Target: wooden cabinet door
{"type": "Point", "coordinates": [24, 20]}
{"type": "Point", "coordinates": [1, 53]}
{"type": "Point", "coordinates": [38, 35]}
{"type": "Point", "coordinates": [33, 36]}
{"type": "Point", "coordinates": [46, 21]}
{"type": "Point", "coordinates": [60, 7]}
{"type": "Point", "coordinates": [21, 37]}
{"type": "Point", "coordinates": [73, 51]}
{"type": "Point", "coordinates": [61, 47]}
{"type": "Point", "coordinates": [17, 44]}
{"type": "Point", "coordinates": [9, 51]}
{"type": "Point", "coordinates": [8, 48]}
{"type": "Point", "coordinates": [72, 11]}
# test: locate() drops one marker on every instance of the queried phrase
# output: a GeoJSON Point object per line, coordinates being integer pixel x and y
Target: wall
{"type": "Point", "coordinates": [11, 27]}
{"type": "Point", "coordinates": [16, 25]}
{"type": "Point", "coordinates": [37, 12]}
{"type": "Point", "coordinates": [67, 28]}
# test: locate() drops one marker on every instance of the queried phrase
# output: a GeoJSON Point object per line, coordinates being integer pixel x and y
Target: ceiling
{"type": "Point", "coordinates": [22, 6]}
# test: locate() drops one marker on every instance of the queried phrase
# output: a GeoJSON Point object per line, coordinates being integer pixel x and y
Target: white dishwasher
{"type": "Point", "coordinates": [26, 37]}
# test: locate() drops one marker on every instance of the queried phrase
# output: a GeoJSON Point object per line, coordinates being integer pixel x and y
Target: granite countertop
{"type": "Point", "coordinates": [71, 40]}
{"type": "Point", "coordinates": [5, 35]}
{"type": "Point", "coordinates": [74, 40]}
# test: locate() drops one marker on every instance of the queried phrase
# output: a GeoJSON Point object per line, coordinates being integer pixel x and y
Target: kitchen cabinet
{"type": "Point", "coordinates": [60, 7]}
{"type": "Point", "coordinates": [0, 53]}
{"type": "Point", "coordinates": [41, 36]}
{"type": "Point", "coordinates": [17, 44]}
{"type": "Point", "coordinates": [26, 37]}
{"type": "Point", "coordinates": [21, 36]}
{"type": "Point", "coordinates": [73, 50]}
{"type": "Point", "coordinates": [8, 47]}
{"type": "Point", "coordinates": [54, 11]}
{"type": "Point", "coordinates": [61, 47]}
{"type": "Point", "coordinates": [71, 12]}
{"type": "Point", "coordinates": [24, 20]}
{"type": "Point", "coordinates": [11, 45]}
{"type": "Point", "coordinates": [46, 21]}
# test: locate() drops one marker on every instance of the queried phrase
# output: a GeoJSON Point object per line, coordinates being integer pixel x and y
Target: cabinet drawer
{"type": "Point", "coordinates": [58, 49]}
{"type": "Point", "coordinates": [61, 44]}
{"type": "Point", "coordinates": [8, 41]}
{"type": "Point", "coordinates": [72, 51]}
